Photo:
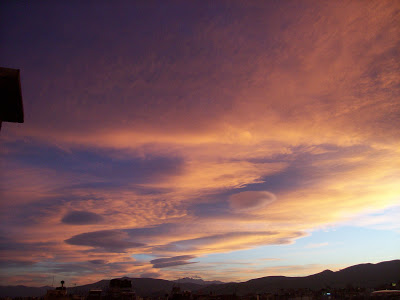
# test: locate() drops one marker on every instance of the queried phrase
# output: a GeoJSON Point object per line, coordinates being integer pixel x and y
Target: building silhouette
{"type": "Point", "coordinates": [11, 108]}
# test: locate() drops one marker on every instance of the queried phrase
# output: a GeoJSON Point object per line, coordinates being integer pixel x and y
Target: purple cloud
{"type": "Point", "coordinates": [109, 240]}
{"type": "Point", "coordinates": [172, 261]}
{"type": "Point", "coordinates": [81, 218]}
{"type": "Point", "coordinates": [98, 261]}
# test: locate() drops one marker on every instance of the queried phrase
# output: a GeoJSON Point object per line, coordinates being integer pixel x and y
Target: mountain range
{"type": "Point", "coordinates": [197, 280]}
{"type": "Point", "coordinates": [363, 275]}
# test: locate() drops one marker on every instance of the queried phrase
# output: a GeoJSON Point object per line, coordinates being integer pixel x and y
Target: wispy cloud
{"type": "Point", "coordinates": [317, 245]}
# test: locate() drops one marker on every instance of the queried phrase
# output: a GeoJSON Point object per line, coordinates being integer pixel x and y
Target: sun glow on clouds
{"type": "Point", "coordinates": [260, 127]}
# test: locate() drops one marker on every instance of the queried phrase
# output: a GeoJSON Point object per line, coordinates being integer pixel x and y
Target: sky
{"type": "Point", "coordinates": [228, 140]}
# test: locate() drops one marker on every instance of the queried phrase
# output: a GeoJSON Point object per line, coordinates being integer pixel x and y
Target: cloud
{"type": "Point", "coordinates": [81, 218]}
{"type": "Point", "coordinates": [32, 279]}
{"type": "Point", "coordinates": [5, 263]}
{"type": "Point", "coordinates": [383, 219]}
{"type": "Point", "coordinates": [251, 200]}
{"type": "Point", "coordinates": [228, 241]}
{"type": "Point", "coordinates": [98, 261]}
{"type": "Point", "coordinates": [109, 240]}
{"type": "Point", "coordinates": [172, 261]}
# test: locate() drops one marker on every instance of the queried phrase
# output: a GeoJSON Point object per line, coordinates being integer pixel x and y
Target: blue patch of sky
{"type": "Point", "coordinates": [143, 257]}
{"type": "Point", "coordinates": [342, 246]}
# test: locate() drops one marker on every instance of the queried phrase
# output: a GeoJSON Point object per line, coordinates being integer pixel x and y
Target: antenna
{"type": "Point", "coordinates": [52, 284]}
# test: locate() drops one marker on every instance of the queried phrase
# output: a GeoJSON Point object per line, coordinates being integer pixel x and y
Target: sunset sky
{"type": "Point", "coordinates": [223, 139]}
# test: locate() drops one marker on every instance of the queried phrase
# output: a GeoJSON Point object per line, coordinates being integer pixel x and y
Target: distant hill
{"type": "Point", "coordinates": [23, 291]}
{"type": "Point", "coordinates": [364, 275]}
{"type": "Point", "coordinates": [197, 281]}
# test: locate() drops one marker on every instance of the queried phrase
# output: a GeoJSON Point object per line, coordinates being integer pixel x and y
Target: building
{"type": "Point", "coordinates": [11, 108]}
{"type": "Point", "coordinates": [60, 293]}
{"type": "Point", "coordinates": [95, 295]}
{"type": "Point", "coordinates": [121, 289]}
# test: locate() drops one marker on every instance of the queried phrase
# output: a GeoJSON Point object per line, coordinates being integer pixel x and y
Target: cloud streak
{"type": "Point", "coordinates": [172, 261]}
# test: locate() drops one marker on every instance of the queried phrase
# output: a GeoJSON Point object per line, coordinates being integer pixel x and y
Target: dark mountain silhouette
{"type": "Point", "coordinates": [143, 286]}
{"type": "Point", "coordinates": [364, 275]}
{"type": "Point", "coordinates": [197, 281]}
